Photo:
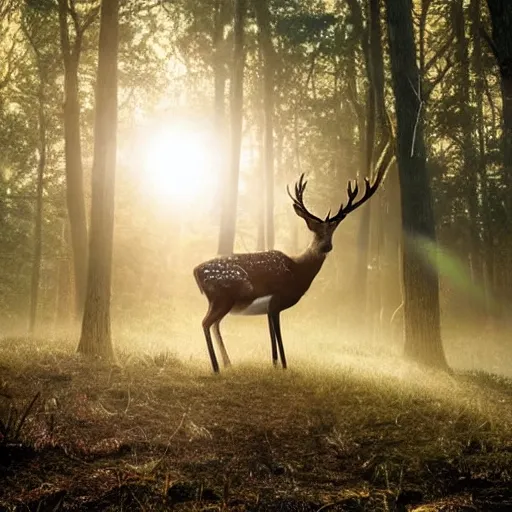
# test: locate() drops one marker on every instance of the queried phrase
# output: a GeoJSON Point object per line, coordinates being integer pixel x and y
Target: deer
{"type": "Point", "coordinates": [269, 282]}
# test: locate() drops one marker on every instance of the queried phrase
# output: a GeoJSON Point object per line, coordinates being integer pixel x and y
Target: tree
{"type": "Point", "coordinates": [501, 45]}
{"type": "Point", "coordinates": [31, 33]}
{"type": "Point", "coordinates": [219, 84]}
{"type": "Point", "coordinates": [71, 52]}
{"type": "Point", "coordinates": [386, 229]}
{"type": "Point", "coordinates": [467, 128]}
{"type": "Point", "coordinates": [480, 164]}
{"type": "Point", "coordinates": [96, 339]}
{"type": "Point", "coordinates": [420, 279]}
{"type": "Point", "coordinates": [230, 199]}
{"type": "Point", "coordinates": [365, 112]}
{"type": "Point", "coordinates": [265, 40]}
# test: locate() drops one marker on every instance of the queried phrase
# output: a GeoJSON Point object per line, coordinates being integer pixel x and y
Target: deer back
{"type": "Point", "coordinates": [246, 277]}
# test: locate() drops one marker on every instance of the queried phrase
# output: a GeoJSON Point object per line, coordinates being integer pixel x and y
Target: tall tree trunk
{"type": "Point", "coordinates": [260, 180]}
{"type": "Point", "coordinates": [73, 155]}
{"type": "Point", "coordinates": [386, 213]}
{"type": "Point", "coordinates": [479, 86]}
{"type": "Point", "coordinates": [265, 40]}
{"type": "Point", "coordinates": [467, 127]}
{"type": "Point", "coordinates": [230, 200]}
{"type": "Point", "coordinates": [219, 82]}
{"type": "Point", "coordinates": [365, 113]}
{"type": "Point", "coordinates": [62, 315]}
{"type": "Point", "coordinates": [421, 283]}
{"type": "Point", "coordinates": [298, 171]}
{"type": "Point", "coordinates": [501, 44]}
{"type": "Point", "coordinates": [38, 221]}
{"type": "Point", "coordinates": [96, 339]}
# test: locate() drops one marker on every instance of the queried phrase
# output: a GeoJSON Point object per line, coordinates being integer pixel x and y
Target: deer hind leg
{"type": "Point", "coordinates": [220, 343]}
{"type": "Point", "coordinates": [216, 312]}
{"type": "Point", "coordinates": [273, 340]}
{"type": "Point", "coordinates": [276, 323]}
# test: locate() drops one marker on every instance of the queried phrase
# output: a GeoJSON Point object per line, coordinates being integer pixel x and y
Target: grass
{"type": "Point", "coordinates": [155, 431]}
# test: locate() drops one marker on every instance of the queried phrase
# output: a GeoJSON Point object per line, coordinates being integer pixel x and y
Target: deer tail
{"type": "Point", "coordinates": [196, 275]}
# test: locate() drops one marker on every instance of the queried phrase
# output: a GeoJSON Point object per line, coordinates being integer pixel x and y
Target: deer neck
{"type": "Point", "coordinates": [310, 262]}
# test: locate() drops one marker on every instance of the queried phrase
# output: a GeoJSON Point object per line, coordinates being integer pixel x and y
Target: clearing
{"type": "Point", "coordinates": [156, 432]}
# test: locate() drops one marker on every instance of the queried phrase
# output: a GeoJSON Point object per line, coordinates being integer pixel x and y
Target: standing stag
{"type": "Point", "coordinates": [266, 283]}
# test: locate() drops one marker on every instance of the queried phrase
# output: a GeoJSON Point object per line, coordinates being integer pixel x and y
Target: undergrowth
{"type": "Point", "coordinates": [154, 431]}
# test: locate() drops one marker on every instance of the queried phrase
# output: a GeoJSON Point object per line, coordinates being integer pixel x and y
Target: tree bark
{"type": "Point", "coordinates": [501, 44]}
{"type": "Point", "coordinates": [38, 220]}
{"type": "Point", "coordinates": [421, 285]}
{"type": "Point", "coordinates": [64, 293]}
{"type": "Point", "coordinates": [73, 155]}
{"type": "Point", "coordinates": [230, 200]}
{"type": "Point", "coordinates": [385, 222]}
{"type": "Point", "coordinates": [265, 40]}
{"type": "Point", "coordinates": [219, 83]}
{"type": "Point", "coordinates": [365, 114]}
{"type": "Point", "coordinates": [96, 338]}
{"type": "Point", "coordinates": [467, 127]}
{"type": "Point", "coordinates": [260, 180]}
{"type": "Point", "coordinates": [479, 86]}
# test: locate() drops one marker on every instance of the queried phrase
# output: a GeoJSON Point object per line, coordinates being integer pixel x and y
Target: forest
{"type": "Point", "coordinates": [168, 165]}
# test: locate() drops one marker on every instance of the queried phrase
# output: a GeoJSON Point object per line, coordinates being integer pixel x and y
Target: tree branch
{"type": "Point", "coordinates": [10, 65]}
{"type": "Point", "coordinates": [91, 16]}
{"type": "Point", "coordinates": [74, 16]}
{"type": "Point", "coordinates": [490, 42]}
{"type": "Point", "coordinates": [439, 53]}
{"type": "Point", "coordinates": [439, 78]}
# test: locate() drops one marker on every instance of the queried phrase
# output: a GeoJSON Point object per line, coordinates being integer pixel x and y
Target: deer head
{"type": "Point", "coordinates": [324, 229]}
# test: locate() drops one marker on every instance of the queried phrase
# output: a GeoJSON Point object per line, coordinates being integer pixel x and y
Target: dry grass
{"type": "Point", "coordinates": [155, 431]}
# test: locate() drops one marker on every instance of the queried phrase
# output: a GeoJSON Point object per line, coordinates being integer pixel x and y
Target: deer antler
{"type": "Point", "coordinates": [383, 164]}
{"type": "Point", "coordinates": [298, 200]}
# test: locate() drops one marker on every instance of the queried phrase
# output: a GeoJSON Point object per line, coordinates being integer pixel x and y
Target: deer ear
{"type": "Point", "coordinates": [311, 223]}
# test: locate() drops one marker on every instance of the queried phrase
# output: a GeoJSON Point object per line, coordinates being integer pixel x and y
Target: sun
{"type": "Point", "coordinates": [178, 164]}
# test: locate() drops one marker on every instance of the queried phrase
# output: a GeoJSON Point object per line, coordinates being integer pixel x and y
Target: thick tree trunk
{"type": "Point", "coordinates": [73, 156]}
{"type": "Point", "coordinates": [421, 287]}
{"type": "Point", "coordinates": [38, 221]}
{"type": "Point", "coordinates": [96, 339]}
{"type": "Point", "coordinates": [230, 200]}
{"type": "Point", "coordinates": [501, 19]}
{"type": "Point", "coordinates": [265, 40]}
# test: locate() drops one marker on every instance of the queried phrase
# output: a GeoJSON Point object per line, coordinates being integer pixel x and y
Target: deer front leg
{"type": "Point", "coordinates": [272, 339]}
{"type": "Point", "coordinates": [277, 329]}
{"type": "Point", "coordinates": [209, 344]}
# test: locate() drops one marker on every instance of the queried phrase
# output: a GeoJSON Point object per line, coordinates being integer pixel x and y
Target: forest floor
{"type": "Point", "coordinates": [154, 433]}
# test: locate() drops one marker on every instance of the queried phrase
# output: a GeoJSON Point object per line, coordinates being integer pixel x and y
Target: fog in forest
{"type": "Point", "coordinates": [255, 255]}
